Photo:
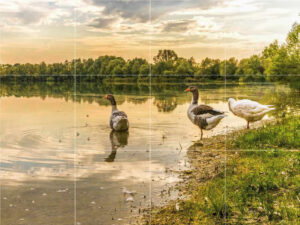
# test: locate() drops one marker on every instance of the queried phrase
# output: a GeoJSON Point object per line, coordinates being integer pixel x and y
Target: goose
{"type": "Point", "coordinates": [251, 111]}
{"type": "Point", "coordinates": [203, 116]}
{"type": "Point", "coordinates": [118, 119]}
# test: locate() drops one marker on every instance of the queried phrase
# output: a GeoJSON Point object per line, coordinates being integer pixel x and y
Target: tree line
{"type": "Point", "coordinates": [275, 63]}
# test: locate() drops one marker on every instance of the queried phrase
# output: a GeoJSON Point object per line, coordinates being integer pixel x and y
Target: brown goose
{"type": "Point", "coordinates": [118, 119]}
{"type": "Point", "coordinates": [203, 116]}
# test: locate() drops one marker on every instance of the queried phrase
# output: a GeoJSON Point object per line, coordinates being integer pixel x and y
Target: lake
{"type": "Point", "coordinates": [61, 163]}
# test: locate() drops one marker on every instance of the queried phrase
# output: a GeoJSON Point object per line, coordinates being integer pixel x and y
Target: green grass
{"type": "Point", "coordinates": [284, 134]}
{"type": "Point", "coordinates": [262, 187]}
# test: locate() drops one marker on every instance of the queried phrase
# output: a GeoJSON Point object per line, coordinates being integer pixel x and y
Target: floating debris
{"type": "Point", "coordinates": [4, 198]}
{"type": "Point", "coordinates": [101, 188]}
{"type": "Point", "coordinates": [130, 199]}
{"type": "Point", "coordinates": [77, 134]}
{"type": "Point", "coordinates": [63, 190]}
{"type": "Point", "coordinates": [93, 202]}
{"type": "Point", "coordinates": [26, 210]}
{"type": "Point", "coordinates": [11, 205]}
{"type": "Point", "coordinates": [44, 194]}
{"type": "Point", "coordinates": [87, 115]}
{"type": "Point", "coordinates": [127, 192]}
{"type": "Point", "coordinates": [32, 201]}
{"type": "Point", "coordinates": [88, 138]}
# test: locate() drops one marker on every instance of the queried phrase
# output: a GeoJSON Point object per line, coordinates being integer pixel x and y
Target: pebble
{"type": "Point", "coordinates": [177, 207]}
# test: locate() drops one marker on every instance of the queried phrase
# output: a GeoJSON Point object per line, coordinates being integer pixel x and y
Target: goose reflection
{"type": "Point", "coordinates": [118, 139]}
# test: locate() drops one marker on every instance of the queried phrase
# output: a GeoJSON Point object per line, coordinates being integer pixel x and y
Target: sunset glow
{"type": "Point", "coordinates": [55, 30]}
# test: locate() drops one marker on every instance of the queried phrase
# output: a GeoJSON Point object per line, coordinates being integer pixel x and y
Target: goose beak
{"type": "Point", "coordinates": [187, 90]}
{"type": "Point", "coordinates": [105, 97]}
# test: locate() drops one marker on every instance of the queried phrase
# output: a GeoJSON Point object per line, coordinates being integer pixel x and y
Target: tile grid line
{"type": "Point", "coordinates": [132, 75]}
{"type": "Point", "coordinates": [75, 114]}
{"type": "Point", "coordinates": [225, 174]}
{"type": "Point", "coordinates": [150, 112]}
{"type": "Point", "coordinates": [0, 140]}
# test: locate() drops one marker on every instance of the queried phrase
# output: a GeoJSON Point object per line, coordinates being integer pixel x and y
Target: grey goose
{"type": "Point", "coordinates": [118, 119]}
{"type": "Point", "coordinates": [203, 116]}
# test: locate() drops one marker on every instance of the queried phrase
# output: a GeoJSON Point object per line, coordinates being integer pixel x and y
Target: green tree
{"type": "Point", "coordinates": [165, 55]}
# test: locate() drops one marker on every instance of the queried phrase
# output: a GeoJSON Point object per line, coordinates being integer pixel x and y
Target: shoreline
{"type": "Point", "coordinates": [208, 161]}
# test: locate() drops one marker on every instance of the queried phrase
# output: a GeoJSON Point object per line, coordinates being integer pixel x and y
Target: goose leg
{"type": "Point", "coordinates": [201, 134]}
{"type": "Point", "coordinates": [248, 125]}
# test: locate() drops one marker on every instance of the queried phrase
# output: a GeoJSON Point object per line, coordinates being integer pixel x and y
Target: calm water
{"type": "Point", "coordinates": [61, 163]}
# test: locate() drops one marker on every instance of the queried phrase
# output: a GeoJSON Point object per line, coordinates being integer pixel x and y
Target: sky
{"type": "Point", "coordinates": [57, 30]}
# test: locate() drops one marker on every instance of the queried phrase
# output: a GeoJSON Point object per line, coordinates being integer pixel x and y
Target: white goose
{"type": "Point", "coordinates": [118, 119]}
{"type": "Point", "coordinates": [251, 111]}
{"type": "Point", "coordinates": [203, 116]}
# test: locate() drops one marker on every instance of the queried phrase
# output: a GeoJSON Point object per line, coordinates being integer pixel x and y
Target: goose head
{"type": "Point", "coordinates": [111, 99]}
{"type": "Point", "coordinates": [195, 93]}
{"type": "Point", "coordinates": [191, 89]}
{"type": "Point", "coordinates": [230, 102]}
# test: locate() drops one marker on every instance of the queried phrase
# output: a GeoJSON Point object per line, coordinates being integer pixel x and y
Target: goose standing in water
{"type": "Point", "coordinates": [203, 116]}
{"type": "Point", "coordinates": [251, 111]}
{"type": "Point", "coordinates": [118, 119]}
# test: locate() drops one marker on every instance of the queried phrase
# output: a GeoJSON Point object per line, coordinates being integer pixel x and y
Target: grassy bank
{"type": "Point", "coordinates": [261, 186]}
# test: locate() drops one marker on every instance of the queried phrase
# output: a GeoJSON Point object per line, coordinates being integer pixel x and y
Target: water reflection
{"type": "Point", "coordinates": [118, 139]}
{"type": "Point", "coordinates": [165, 104]}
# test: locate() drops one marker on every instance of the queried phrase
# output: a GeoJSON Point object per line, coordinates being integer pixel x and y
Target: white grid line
{"type": "Point", "coordinates": [75, 115]}
{"type": "Point", "coordinates": [150, 112]}
{"type": "Point", "coordinates": [133, 75]}
{"type": "Point", "coordinates": [225, 52]}
{"type": "Point", "coordinates": [0, 140]}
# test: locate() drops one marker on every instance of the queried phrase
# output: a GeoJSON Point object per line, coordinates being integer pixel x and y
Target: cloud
{"type": "Point", "coordinates": [103, 22]}
{"type": "Point", "coordinates": [29, 16]}
{"type": "Point", "coordinates": [139, 10]}
{"type": "Point", "coordinates": [179, 26]}
{"type": "Point", "coordinates": [23, 16]}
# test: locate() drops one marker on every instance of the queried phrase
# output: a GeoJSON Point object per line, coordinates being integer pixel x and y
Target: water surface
{"type": "Point", "coordinates": [61, 163]}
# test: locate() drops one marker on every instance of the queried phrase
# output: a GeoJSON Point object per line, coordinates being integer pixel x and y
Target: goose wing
{"type": "Point", "coordinates": [205, 109]}
{"type": "Point", "coordinates": [119, 113]}
{"type": "Point", "coordinates": [248, 107]}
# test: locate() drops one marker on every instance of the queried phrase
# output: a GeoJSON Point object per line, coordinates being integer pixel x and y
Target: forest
{"type": "Point", "coordinates": [277, 62]}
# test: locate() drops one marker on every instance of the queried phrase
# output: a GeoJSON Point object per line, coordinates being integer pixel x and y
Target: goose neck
{"type": "Point", "coordinates": [195, 97]}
